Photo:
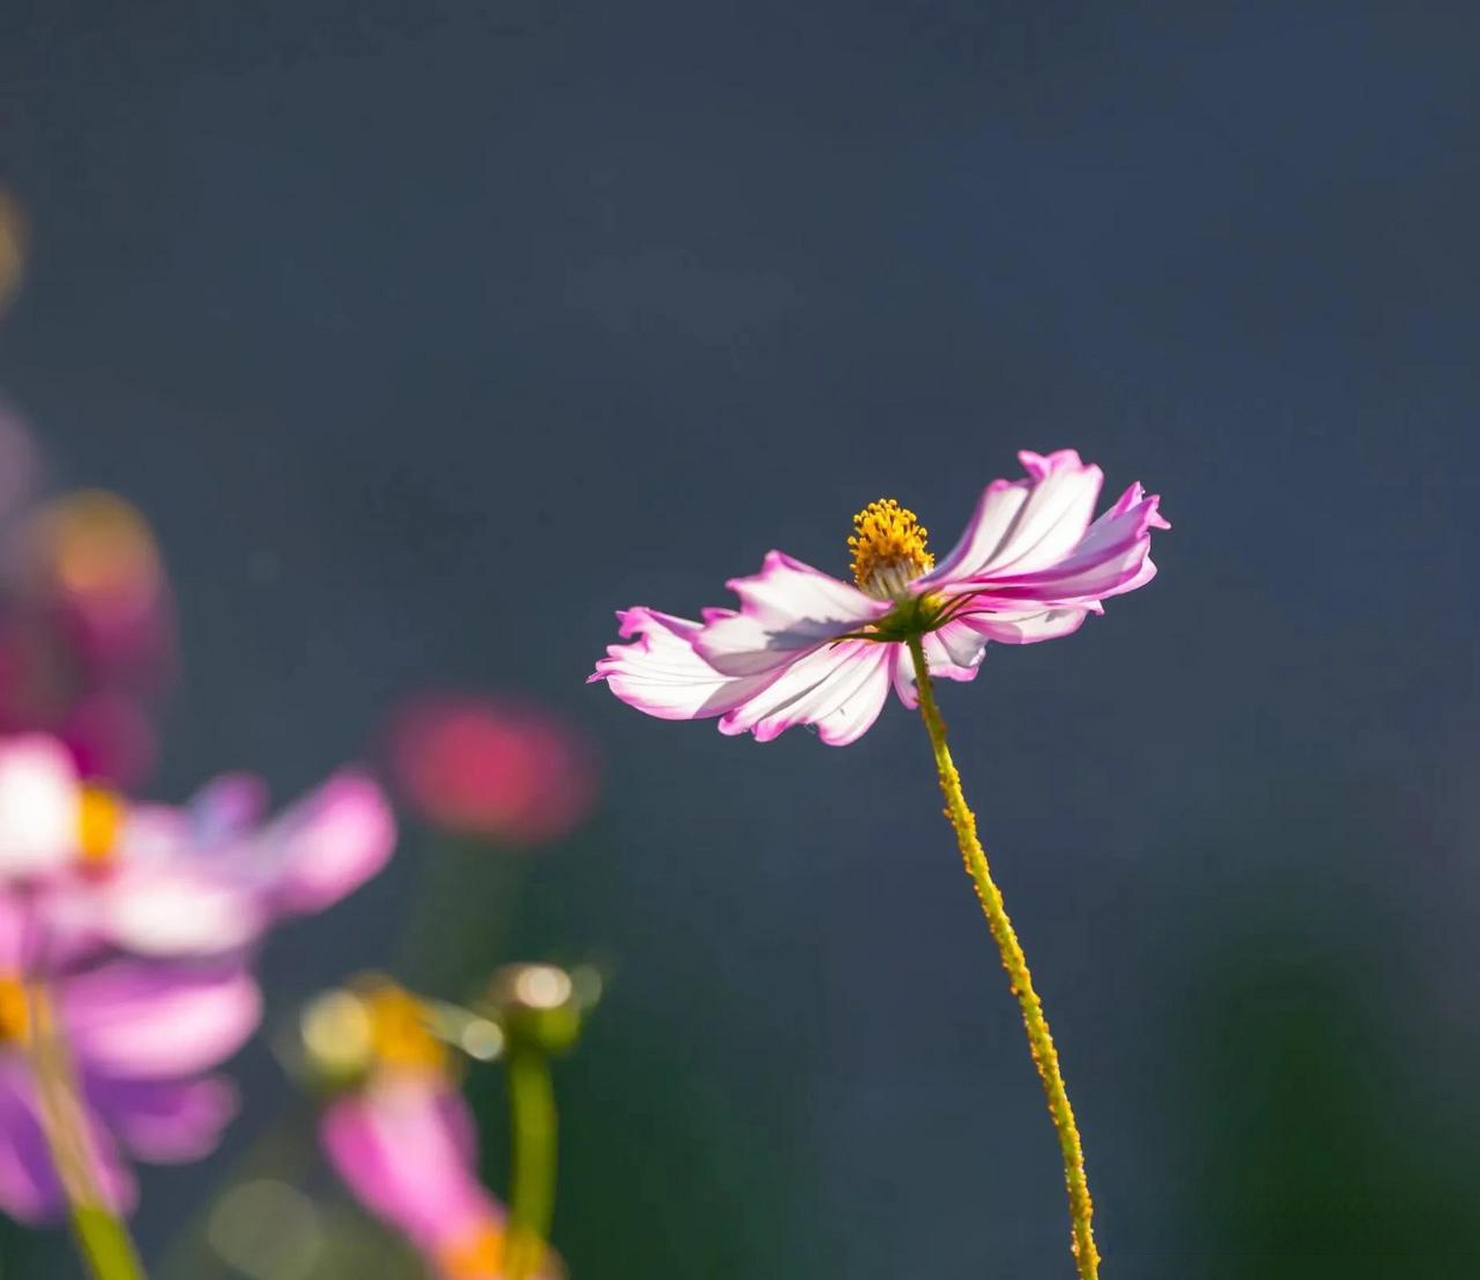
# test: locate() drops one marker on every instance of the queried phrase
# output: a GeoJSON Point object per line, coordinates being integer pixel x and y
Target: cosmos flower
{"type": "Point", "coordinates": [155, 880]}
{"type": "Point", "coordinates": [493, 768]}
{"type": "Point", "coordinates": [139, 1036]}
{"type": "Point", "coordinates": [806, 648]}
{"type": "Point", "coordinates": [399, 1133]}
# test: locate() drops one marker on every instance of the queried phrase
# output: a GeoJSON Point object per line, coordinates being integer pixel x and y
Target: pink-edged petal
{"type": "Point", "coordinates": [1046, 624]}
{"type": "Point", "coordinates": [1110, 559]}
{"type": "Point", "coordinates": [942, 648]}
{"type": "Point", "coordinates": [786, 609]}
{"type": "Point", "coordinates": [139, 1020]}
{"type": "Point", "coordinates": [660, 674]}
{"type": "Point", "coordinates": [30, 1191]}
{"type": "Point", "coordinates": [323, 847]}
{"type": "Point", "coordinates": [1020, 526]}
{"type": "Point", "coordinates": [401, 1146]}
{"type": "Point", "coordinates": [39, 798]}
{"type": "Point", "coordinates": [840, 688]}
{"type": "Point", "coordinates": [165, 1121]}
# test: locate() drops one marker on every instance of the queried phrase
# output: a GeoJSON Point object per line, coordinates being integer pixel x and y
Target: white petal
{"type": "Point", "coordinates": [787, 608]}
{"type": "Point", "coordinates": [39, 806]}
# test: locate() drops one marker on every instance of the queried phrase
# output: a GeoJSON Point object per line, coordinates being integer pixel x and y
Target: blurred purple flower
{"type": "Point", "coordinates": [401, 1136]}
{"type": "Point", "coordinates": [501, 770]}
{"type": "Point", "coordinates": [87, 630]}
{"type": "Point", "coordinates": [155, 880]}
{"type": "Point", "coordinates": [140, 1037]}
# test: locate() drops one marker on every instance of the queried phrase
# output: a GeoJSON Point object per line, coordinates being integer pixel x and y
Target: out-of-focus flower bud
{"type": "Point", "coordinates": [542, 1005]}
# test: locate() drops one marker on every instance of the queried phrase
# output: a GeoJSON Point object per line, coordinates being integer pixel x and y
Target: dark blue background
{"type": "Point", "coordinates": [429, 334]}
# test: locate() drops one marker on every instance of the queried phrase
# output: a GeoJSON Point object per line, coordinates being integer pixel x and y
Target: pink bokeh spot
{"type": "Point", "coordinates": [492, 768]}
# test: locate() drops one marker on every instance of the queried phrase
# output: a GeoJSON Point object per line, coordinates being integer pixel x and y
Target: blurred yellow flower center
{"type": "Point", "coordinates": [99, 820]}
{"type": "Point", "coordinates": [400, 1034]}
{"type": "Point", "coordinates": [478, 1256]}
{"type": "Point", "coordinates": [15, 1011]}
{"type": "Point", "coordinates": [888, 546]}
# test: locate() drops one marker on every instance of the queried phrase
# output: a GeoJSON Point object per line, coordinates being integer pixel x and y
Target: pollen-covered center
{"type": "Point", "coordinates": [100, 818]}
{"type": "Point", "coordinates": [888, 546]}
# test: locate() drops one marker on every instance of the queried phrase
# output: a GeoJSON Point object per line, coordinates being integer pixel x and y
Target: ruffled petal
{"type": "Point", "coordinates": [165, 1121]}
{"type": "Point", "coordinates": [942, 648]}
{"type": "Point", "coordinates": [786, 609]}
{"type": "Point", "coordinates": [660, 674]}
{"type": "Point", "coordinates": [1111, 559]}
{"type": "Point", "coordinates": [39, 797]}
{"type": "Point", "coordinates": [1028, 628]}
{"type": "Point", "coordinates": [138, 1020]}
{"type": "Point", "coordinates": [1020, 526]}
{"type": "Point", "coordinates": [840, 688]}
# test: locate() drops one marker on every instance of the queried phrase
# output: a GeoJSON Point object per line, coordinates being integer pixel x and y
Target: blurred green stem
{"type": "Point", "coordinates": [101, 1237]}
{"type": "Point", "coordinates": [1019, 978]}
{"type": "Point", "coordinates": [532, 1189]}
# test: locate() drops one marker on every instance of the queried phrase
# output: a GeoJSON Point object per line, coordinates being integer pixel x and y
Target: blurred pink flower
{"type": "Point", "coordinates": [482, 766]}
{"type": "Point", "coordinates": [403, 1140]}
{"type": "Point", "coordinates": [155, 880]}
{"type": "Point", "coordinates": [140, 1037]}
{"type": "Point", "coordinates": [87, 631]}
{"type": "Point", "coordinates": [807, 648]}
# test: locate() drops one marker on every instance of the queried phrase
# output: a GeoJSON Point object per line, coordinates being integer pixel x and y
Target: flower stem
{"type": "Point", "coordinates": [102, 1239]}
{"type": "Point", "coordinates": [1020, 980]}
{"type": "Point", "coordinates": [532, 1190]}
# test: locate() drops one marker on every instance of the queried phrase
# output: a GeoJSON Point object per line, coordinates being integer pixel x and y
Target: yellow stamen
{"type": "Point", "coordinates": [400, 1030]}
{"type": "Point", "coordinates": [99, 820]}
{"type": "Point", "coordinates": [15, 1011]}
{"type": "Point", "coordinates": [888, 546]}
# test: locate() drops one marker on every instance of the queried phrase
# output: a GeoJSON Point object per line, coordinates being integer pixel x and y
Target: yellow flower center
{"type": "Point", "coordinates": [99, 820]}
{"type": "Point", "coordinates": [15, 1011]}
{"type": "Point", "coordinates": [888, 546]}
{"type": "Point", "coordinates": [478, 1256]}
{"type": "Point", "coordinates": [400, 1034]}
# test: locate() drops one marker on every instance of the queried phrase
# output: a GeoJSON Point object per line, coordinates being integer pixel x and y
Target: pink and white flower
{"type": "Point", "coordinates": [140, 1037]}
{"type": "Point", "coordinates": [204, 879]}
{"type": "Point", "coordinates": [807, 648]}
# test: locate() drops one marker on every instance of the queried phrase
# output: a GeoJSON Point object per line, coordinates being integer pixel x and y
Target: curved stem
{"type": "Point", "coordinates": [1020, 980]}
{"type": "Point", "coordinates": [532, 1189]}
{"type": "Point", "coordinates": [101, 1238]}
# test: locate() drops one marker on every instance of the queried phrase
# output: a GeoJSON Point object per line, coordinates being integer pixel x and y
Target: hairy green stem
{"type": "Point", "coordinates": [1020, 980]}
